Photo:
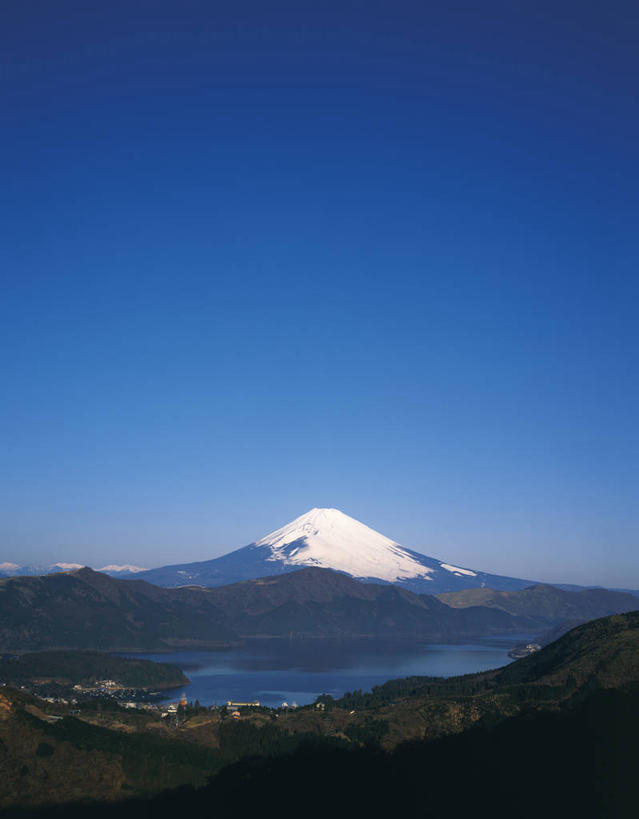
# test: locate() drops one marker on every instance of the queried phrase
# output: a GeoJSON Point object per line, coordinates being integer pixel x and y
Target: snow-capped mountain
{"type": "Point", "coordinates": [116, 570]}
{"type": "Point", "coordinates": [329, 539]}
{"type": "Point", "coordinates": [332, 540]}
{"type": "Point", "coordinates": [15, 569]}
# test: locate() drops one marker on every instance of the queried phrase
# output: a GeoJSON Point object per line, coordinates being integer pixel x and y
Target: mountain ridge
{"type": "Point", "coordinates": [324, 538]}
{"type": "Point", "coordinates": [328, 538]}
{"type": "Point", "coordinates": [86, 609]}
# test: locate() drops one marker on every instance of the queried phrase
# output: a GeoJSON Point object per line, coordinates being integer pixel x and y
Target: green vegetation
{"type": "Point", "coordinates": [564, 720]}
{"type": "Point", "coordinates": [85, 609]}
{"type": "Point", "coordinates": [573, 762]}
{"type": "Point", "coordinates": [603, 653]}
{"type": "Point", "coordinates": [547, 605]}
{"type": "Point", "coordinates": [86, 668]}
{"type": "Point", "coordinates": [149, 762]}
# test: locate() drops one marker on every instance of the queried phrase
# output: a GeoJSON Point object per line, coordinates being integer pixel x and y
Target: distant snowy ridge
{"type": "Point", "coordinates": [15, 569]}
{"type": "Point", "coordinates": [324, 538]}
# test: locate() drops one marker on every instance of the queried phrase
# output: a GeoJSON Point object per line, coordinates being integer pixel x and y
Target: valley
{"type": "Point", "coordinates": [104, 675]}
{"type": "Point", "coordinates": [575, 685]}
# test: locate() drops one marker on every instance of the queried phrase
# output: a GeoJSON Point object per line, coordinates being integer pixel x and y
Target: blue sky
{"type": "Point", "coordinates": [259, 257]}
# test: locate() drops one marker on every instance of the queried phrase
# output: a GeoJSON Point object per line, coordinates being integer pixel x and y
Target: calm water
{"type": "Point", "coordinates": [276, 671]}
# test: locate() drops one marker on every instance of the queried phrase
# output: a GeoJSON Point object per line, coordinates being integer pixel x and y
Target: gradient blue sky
{"type": "Point", "coordinates": [259, 257]}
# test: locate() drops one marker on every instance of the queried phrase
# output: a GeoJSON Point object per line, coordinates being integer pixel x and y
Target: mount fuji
{"type": "Point", "coordinates": [329, 539]}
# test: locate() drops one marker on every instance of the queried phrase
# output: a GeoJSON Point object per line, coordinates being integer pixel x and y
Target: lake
{"type": "Point", "coordinates": [277, 671]}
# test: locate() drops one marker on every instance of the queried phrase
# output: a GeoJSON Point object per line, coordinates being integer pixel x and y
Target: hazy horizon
{"type": "Point", "coordinates": [554, 575]}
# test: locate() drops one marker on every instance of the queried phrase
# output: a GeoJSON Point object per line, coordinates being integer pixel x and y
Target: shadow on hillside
{"type": "Point", "coordinates": [573, 763]}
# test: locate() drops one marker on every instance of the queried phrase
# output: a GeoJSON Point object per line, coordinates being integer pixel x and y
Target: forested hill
{"type": "Point", "coordinates": [87, 668]}
{"type": "Point", "coordinates": [602, 653]}
{"type": "Point", "coordinates": [86, 609]}
{"type": "Point", "coordinates": [552, 735]}
{"type": "Point", "coordinates": [599, 655]}
{"type": "Point", "coordinates": [546, 603]}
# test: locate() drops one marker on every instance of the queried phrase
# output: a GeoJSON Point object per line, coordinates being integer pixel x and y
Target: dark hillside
{"type": "Point", "coordinates": [86, 668]}
{"type": "Point", "coordinates": [604, 652]}
{"type": "Point", "coordinates": [547, 604]}
{"type": "Point", "coordinates": [578, 762]}
{"type": "Point", "coordinates": [88, 610]}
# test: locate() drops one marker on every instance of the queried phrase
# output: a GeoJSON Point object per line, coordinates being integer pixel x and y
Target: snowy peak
{"type": "Point", "coordinates": [15, 569]}
{"type": "Point", "coordinates": [332, 540]}
{"type": "Point", "coordinates": [329, 539]}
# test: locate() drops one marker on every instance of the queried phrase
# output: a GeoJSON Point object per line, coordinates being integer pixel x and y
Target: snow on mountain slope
{"type": "Point", "coordinates": [116, 569]}
{"type": "Point", "coordinates": [327, 538]}
{"type": "Point", "coordinates": [332, 540]}
{"type": "Point", "coordinates": [15, 569]}
{"type": "Point", "coordinates": [65, 567]}
{"type": "Point", "coordinates": [457, 570]}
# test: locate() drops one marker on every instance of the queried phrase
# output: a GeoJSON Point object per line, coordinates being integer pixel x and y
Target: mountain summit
{"type": "Point", "coordinates": [329, 539]}
{"type": "Point", "coordinates": [332, 540]}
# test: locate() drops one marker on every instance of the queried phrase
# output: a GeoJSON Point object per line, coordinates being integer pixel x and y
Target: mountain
{"type": "Point", "coordinates": [116, 570]}
{"type": "Point", "coordinates": [16, 570]}
{"type": "Point", "coordinates": [86, 609]}
{"type": "Point", "coordinates": [546, 603]}
{"type": "Point", "coordinates": [314, 602]}
{"type": "Point", "coordinates": [329, 539]}
{"type": "Point", "coordinates": [603, 653]}
{"type": "Point", "coordinates": [551, 735]}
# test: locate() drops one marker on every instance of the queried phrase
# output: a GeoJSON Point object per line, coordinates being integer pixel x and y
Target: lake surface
{"type": "Point", "coordinates": [277, 671]}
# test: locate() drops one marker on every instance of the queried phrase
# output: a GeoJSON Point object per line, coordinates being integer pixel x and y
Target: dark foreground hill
{"type": "Point", "coordinates": [569, 748]}
{"type": "Point", "coordinates": [574, 763]}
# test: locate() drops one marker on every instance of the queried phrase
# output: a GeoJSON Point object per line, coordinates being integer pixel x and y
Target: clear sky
{"type": "Point", "coordinates": [258, 257]}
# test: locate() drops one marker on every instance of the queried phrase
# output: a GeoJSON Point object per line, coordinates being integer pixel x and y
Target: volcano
{"type": "Point", "coordinates": [330, 539]}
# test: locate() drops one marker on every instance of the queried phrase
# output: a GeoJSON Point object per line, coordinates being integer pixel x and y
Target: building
{"type": "Point", "coordinates": [232, 704]}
